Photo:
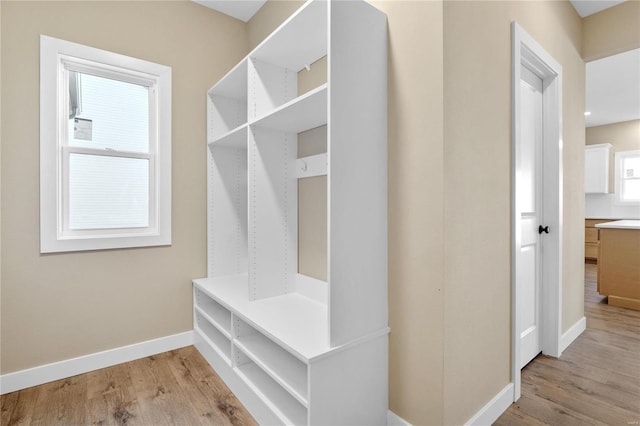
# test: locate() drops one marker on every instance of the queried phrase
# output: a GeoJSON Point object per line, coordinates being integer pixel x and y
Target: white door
{"type": "Point", "coordinates": [529, 205]}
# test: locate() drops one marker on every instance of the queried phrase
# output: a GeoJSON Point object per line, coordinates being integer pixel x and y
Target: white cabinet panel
{"type": "Point", "coordinates": [596, 163]}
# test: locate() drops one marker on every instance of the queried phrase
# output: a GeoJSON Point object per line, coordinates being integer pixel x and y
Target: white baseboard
{"type": "Point", "coordinates": [493, 409]}
{"type": "Point", "coordinates": [394, 420]}
{"type": "Point", "coordinates": [60, 370]}
{"type": "Point", "coordinates": [572, 334]}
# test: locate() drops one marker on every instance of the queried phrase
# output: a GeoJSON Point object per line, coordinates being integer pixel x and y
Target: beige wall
{"type": "Point", "coordinates": [415, 167]}
{"type": "Point", "coordinates": [624, 136]}
{"type": "Point", "coordinates": [60, 306]}
{"type": "Point", "coordinates": [614, 30]}
{"type": "Point", "coordinates": [477, 110]}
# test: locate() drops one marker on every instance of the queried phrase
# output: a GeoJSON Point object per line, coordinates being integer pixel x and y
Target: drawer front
{"type": "Point", "coordinates": [591, 235]}
{"type": "Point", "coordinates": [591, 250]}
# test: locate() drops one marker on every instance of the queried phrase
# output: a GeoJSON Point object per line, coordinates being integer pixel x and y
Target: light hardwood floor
{"type": "Point", "coordinates": [173, 388]}
{"type": "Point", "coordinates": [596, 381]}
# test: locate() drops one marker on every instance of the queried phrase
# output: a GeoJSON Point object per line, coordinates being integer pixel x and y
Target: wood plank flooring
{"type": "Point", "coordinates": [596, 381]}
{"type": "Point", "coordinates": [173, 388]}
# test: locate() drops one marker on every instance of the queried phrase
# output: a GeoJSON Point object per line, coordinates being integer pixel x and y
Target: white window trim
{"type": "Point", "coordinates": [55, 54]}
{"type": "Point", "coordinates": [619, 159]}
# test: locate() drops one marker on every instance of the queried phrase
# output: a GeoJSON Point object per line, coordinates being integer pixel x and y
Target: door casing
{"type": "Point", "coordinates": [526, 51]}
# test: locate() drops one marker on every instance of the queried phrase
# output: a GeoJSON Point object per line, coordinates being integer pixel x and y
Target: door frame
{"type": "Point", "coordinates": [526, 51]}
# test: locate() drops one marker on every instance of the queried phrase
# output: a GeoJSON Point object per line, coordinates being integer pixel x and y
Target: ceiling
{"type": "Point", "coordinates": [589, 7]}
{"type": "Point", "coordinates": [239, 9]}
{"type": "Point", "coordinates": [613, 89]}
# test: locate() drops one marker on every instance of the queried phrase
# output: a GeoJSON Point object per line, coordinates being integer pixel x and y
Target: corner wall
{"type": "Point", "coordinates": [477, 165]}
{"type": "Point", "coordinates": [60, 306]}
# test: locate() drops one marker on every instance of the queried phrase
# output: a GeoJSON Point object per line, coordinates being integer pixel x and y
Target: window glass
{"type": "Point", "coordinates": [631, 178]}
{"type": "Point", "coordinates": [108, 192]}
{"type": "Point", "coordinates": [107, 114]}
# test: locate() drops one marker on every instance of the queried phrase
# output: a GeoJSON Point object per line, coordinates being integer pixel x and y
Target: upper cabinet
{"type": "Point", "coordinates": [596, 175]}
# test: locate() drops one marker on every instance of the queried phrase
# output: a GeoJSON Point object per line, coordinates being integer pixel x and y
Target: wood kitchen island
{"type": "Point", "coordinates": [619, 263]}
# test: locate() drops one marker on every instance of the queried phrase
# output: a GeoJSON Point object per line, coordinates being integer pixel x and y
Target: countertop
{"type": "Point", "coordinates": [620, 224]}
{"type": "Point", "coordinates": [605, 217]}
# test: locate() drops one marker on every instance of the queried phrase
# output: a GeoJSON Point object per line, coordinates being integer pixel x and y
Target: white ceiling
{"type": "Point", "coordinates": [589, 7]}
{"type": "Point", "coordinates": [239, 9]}
{"type": "Point", "coordinates": [613, 89]}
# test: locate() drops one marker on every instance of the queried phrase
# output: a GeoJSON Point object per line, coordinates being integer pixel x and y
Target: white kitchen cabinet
{"type": "Point", "coordinates": [596, 174]}
{"type": "Point", "coordinates": [294, 349]}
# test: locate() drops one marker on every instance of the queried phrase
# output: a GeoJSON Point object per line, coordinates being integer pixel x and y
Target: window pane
{"type": "Point", "coordinates": [631, 167]}
{"type": "Point", "coordinates": [631, 179]}
{"type": "Point", "coordinates": [112, 114]}
{"type": "Point", "coordinates": [108, 192]}
{"type": "Point", "coordinates": [631, 190]}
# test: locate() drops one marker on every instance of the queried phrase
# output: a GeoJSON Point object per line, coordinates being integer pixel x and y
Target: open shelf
{"type": "Point", "coordinates": [299, 41]}
{"type": "Point", "coordinates": [215, 313]}
{"type": "Point", "coordinates": [234, 84]}
{"type": "Point", "coordinates": [295, 322]}
{"type": "Point", "coordinates": [284, 368]}
{"type": "Point", "coordinates": [281, 402]}
{"type": "Point", "coordinates": [216, 339]}
{"type": "Point", "coordinates": [236, 138]}
{"type": "Point", "coordinates": [302, 113]}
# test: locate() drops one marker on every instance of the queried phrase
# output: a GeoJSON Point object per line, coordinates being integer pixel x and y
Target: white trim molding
{"type": "Point", "coordinates": [494, 408]}
{"type": "Point", "coordinates": [395, 420]}
{"type": "Point", "coordinates": [83, 364]}
{"type": "Point", "coordinates": [572, 333]}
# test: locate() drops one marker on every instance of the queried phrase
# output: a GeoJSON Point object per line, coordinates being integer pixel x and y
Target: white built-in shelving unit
{"type": "Point", "coordinates": [295, 349]}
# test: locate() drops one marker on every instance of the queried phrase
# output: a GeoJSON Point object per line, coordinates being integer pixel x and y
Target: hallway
{"type": "Point", "coordinates": [597, 378]}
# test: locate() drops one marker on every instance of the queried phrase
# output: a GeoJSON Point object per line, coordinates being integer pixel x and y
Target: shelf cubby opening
{"type": "Point", "coordinates": [312, 77]}
{"type": "Point", "coordinates": [283, 367]}
{"type": "Point", "coordinates": [227, 205]}
{"type": "Point", "coordinates": [218, 315]}
{"type": "Point", "coordinates": [299, 114]}
{"type": "Point", "coordinates": [312, 205]}
{"type": "Point", "coordinates": [227, 114]}
{"type": "Point", "coordinates": [272, 212]}
{"type": "Point", "coordinates": [300, 40]}
{"type": "Point", "coordinates": [216, 339]}
{"type": "Point", "coordinates": [281, 402]}
{"type": "Point", "coordinates": [236, 138]}
{"type": "Point", "coordinates": [227, 103]}
{"type": "Point", "coordinates": [234, 84]}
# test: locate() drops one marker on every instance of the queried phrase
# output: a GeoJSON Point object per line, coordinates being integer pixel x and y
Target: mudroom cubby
{"type": "Point", "coordinates": [293, 311]}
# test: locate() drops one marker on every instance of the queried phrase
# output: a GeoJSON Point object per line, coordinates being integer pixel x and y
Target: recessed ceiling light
{"type": "Point", "coordinates": [587, 113]}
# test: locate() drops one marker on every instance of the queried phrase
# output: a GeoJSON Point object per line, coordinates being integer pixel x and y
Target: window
{"type": "Point", "coordinates": [105, 149]}
{"type": "Point", "coordinates": [627, 178]}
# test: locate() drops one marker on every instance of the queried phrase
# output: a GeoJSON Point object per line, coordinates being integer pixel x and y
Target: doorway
{"type": "Point", "coordinates": [536, 238]}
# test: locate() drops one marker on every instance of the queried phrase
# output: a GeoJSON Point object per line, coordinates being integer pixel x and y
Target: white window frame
{"type": "Point", "coordinates": [57, 57]}
{"type": "Point", "coordinates": [620, 156]}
